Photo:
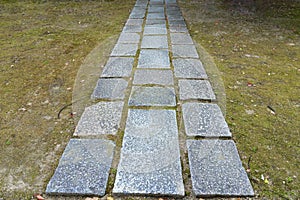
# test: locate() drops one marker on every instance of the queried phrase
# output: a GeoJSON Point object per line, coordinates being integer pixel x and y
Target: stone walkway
{"type": "Point", "coordinates": [154, 80]}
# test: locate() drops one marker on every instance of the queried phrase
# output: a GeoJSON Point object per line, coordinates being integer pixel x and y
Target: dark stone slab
{"type": "Point", "coordinates": [132, 29]}
{"type": "Point", "coordinates": [150, 58]}
{"type": "Point", "coordinates": [83, 168]}
{"type": "Point", "coordinates": [118, 67]}
{"type": "Point", "coordinates": [159, 77]}
{"type": "Point", "coordinates": [184, 51]}
{"type": "Point", "coordinates": [155, 42]}
{"type": "Point", "coordinates": [129, 38]}
{"type": "Point", "coordinates": [150, 158]}
{"type": "Point", "coordinates": [216, 169]}
{"type": "Point", "coordinates": [195, 89]}
{"type": "Point", "coordinates": [155, 30]}
{"type": "Point", "coordinates": [189, 68]}
{"type": "Point", "coordinates": [152, 96]}
{"type": "Point", "coordinates": [205, 120]}
{"type": "Point", "coordinates": [113, 88]}
{"type": "Point", "coordinates": [124, 50]}
{"type": "Point", "coordinates": [181, 38]}
{"type": "Point", "coordinates": [99, 119]}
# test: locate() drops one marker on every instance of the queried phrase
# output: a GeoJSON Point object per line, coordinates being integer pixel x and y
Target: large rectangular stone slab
{"type": "Point", "coordinates": [178, 29]}
{"type": "Point", "coordinates": [195, 89]}
{"type": "Point", "coordinates": [150, 158]}
{"type": "Point", "coordinates": [158, 77]}
{"type": "Point", "coordinates": [154, 58]}
{"type": "Point", "coordinates": [124, 49]}
{"type": "Point", "coordinates": [155, 9]}
{"type": "Point", "coordinates": [137, 22]}
{"type": "Point", "coordinates": [181, 38]}
{"type": "Point", "coordinates": [189, 68]}
{"type": "Point", "coordinates": [132, 29]}
{"type": "Point", "coordinates": [83, 168]}
{"type": "Point", "coordinates": [112, 88]}
{"type": "Point", "coordinates": [155, 42]}
{"type": "Point", "coordinates": [155, 30]}
{"type": "Point", "coordinates": [205, 120]}
{"type": "Point", "coordinates": [216, 169]}
{"type": "Point", "coordinates": [129, 38]}
{"type": "Point", "coordinates": [101, 118]}
{"type": "Point", "coordinates": [184, 51]}
{"type": "Point", "coordinates": [156, 22]}
{"type": "Point", "coordinates": [152, 96]}
{"type": "Point", "coordinates": [156, 16]}
{"type": "Point", "coordinates": [118, 67]}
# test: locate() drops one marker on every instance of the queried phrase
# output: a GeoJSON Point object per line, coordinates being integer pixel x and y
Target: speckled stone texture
{"type": "Point", "coordinates": [181, 38]}
{"type": "Point", "coordinates": [184, 51]}
{"type": "Point", "coordinates": [155, 42]}
{"type": "Point", "coordinates": [189, 68]}
{"type": "Point", "coordinates": [83, 168]}
{"type": "Point", "coordinates": [152, 96]}
{"type": "Point", "coordinates": [152, 58]}
{"type": "Point", "coordinates": [216, 169]}
{"type": "Point", "coordinates": [118, 67]}
{"type": "Point", "coordinates": [150, 158]}
{"type": "Point", "coordinates": [124, 49]}
{"type": "Point", "coordinates": [205, 120]}
{"type": "Point", "coordinates": [101, 118]}
{"type": "Point", "coordinates": [159, 77]}
{"type": "Point", "coordinates": [129, 38]}
{"type": "Point", "coordinates": [195, 89]}
{"type": "Point", "coordinates": [113, 88]}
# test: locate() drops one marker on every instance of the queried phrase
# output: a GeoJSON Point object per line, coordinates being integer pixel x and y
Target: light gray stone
{"type": "Point", "coordinates": [155, 30]}
{"type": "Point", "coordinates": [156, 9]}
{"type": "Point", "coordinates": [156, 16]}
{"type": "Point", "coordinates": [132, 29]}
{"type": "Point", "coordinates": [195, 89]}
{"type": "Point", "coordinates": [150, 157]}
{"type": "Point", "coordinates": [155, 42]}
{"type": "Point", "coordinates": [124, 50]}
{"type": "Point", "coordinates": [118, 67]}
{"type": "Point", "coordinates": [137, 22]}
{"type": "Point", "coordinates": [216, 169]}
{"type": "Point", "coordinates": [113, 88]}
{"type": "Point", "coordinates": [129, 38]}
{"type": "Point", "coordinates": [152, 96]}
{"type": "Point", "coordinates": [160, 77]}
{"type": "Point", "coordinates": [176, 16]}
{"type": "Point", "coordinates": [184, 51]}
{"type": "Point", "coordinates": [175, 22]}
{"type": "Point", "coordinates": [150, 58]}
{"type": "Point", "coordinates": [178, 29]}
{"type": "Point", "coordinates": [156, 2]}
{"type": "Point", "coordinates": [189, 68]}
{"type": "Point", "coordinates": [181, 38]}
{"type": "Point", "coordinates": [205, 120]}
{"type": "Point", "coordinates": [101, 118]}
{"type": "Point", "coordinates": [156, 22]}
{"type": "Point", "coordinates": [83, 168]}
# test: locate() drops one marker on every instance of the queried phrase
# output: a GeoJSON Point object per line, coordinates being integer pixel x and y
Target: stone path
{"type": "Point", "coordinates": [154, 80]}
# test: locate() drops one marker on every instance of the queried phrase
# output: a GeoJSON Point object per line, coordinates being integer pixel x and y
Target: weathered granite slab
{"type": "Point", "coordinates": [205, 120]}
{"type": "Point", "coordinates": [178, 29]}
{"type": "Point", "coordinates": [184, 51]}
{"type": "Point", "coordinates": [150, 58]}
{"type": "Point", "coordinates": [216, 169]}
{"type": "Point", "coordinates": [156, 16]}
{"type": "Point", "coordinates": [155, 42]}
{"type": "Point", "coordinates": [159, 77]}
{"type": "Point", "coordinates": [155, 30]}
{"type": "Point", "coordinates": [124, 49]}
{"type": "Point", "coordinates": [176, 16]}
{"type": "Point", "coordinates": [129, 38]}
{"type": "Point", "coordinates": [83, 168]}
{"type": "Point", "coordinates": [101, 118]}
{"type": "Point", "coordinates": [150, 158]}
{"type": "Point", "coordinates": [154, 9]}
{"type": "Point", "coordinates": [174, 22]}
{"type": "Point", "coordinates": [171, 2]}
{"type": "Point", "coordinates": [118, 67]}
{"type": "Point", "coordinates": [156, 2]}
{"type": "Point", "coordinates": [113, 88]}
{"type": "Point", "coordinates": [137, 22]}
{"type": "Point", "coordinates": [152, 96]}
{"type": "Point", "coordinates": [195, 89]}
{"type": "Point", "coordinates": [189, 68]}
{"type": "Point", "coordinates": [161, 22]}
{"type": "Point", "coordinates": [181, 38]}
{"type": "Point", "coordinates": [132, 29]}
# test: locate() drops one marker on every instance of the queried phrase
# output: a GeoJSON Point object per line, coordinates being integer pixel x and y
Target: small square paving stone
{"type": "Point", "coordinates": [181, 38]}
{"type": "Point", "coordinates": [216, 169]}
{"type": "Point", "coordinates": [124, 50]}
{"type": "Point", "coordinates": [154, 30]}
{"type": "Point", "coordinates": [83, 168]}
{"type": "Point", "coordinates": [150, 158]}
{"type": "Point", "coordinates": [101, 118]}
{"type": "Point", "coordinates": [132, 29]}
{"type": "Point", "coordinates": [129, 38]}
{"type": "Point", "coordinates": [118, 67]}
{"type": "Point", "coordinates": [195, 89]}
{"type": "Point", "coordinates": [155, 41]}
{"type": "Point", "coordinates": [205, 120]}
{"type": "Point", "coordinates": [189, 68]}
{"type": "Point", "coordinates": [160, 77]}
{"type": "Point", "coordinates": [152, 96]}
{"type": "Point", "coordinates": [138, 22]}
{"type": "Point", "coordinates": [113, 88]}
{"type": "Point", "coordinates": [150, 58]}
{"type": "Point", "coordinates": [184, 51]}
